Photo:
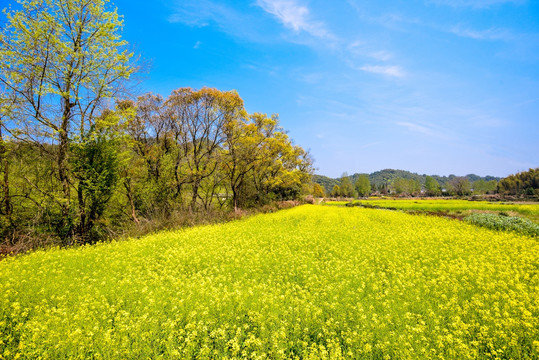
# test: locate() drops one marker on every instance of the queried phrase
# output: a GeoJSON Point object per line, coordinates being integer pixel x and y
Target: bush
{"type": "Point", "coordinates": [504, 222]}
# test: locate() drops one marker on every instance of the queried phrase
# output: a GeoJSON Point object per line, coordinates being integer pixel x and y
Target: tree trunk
{"type": "Point", "coordinates": [82, 212]}
{"type": "Point", "coordinates": [196, 185]}
{"type": "Point", "coordinates": [63, 148]}
{"type": "Point", "coordinates": [129, 192]}
{"type": "Point", "coordinates": [6, 208]}
{"type": "Point", "coordinates": [235, 198]}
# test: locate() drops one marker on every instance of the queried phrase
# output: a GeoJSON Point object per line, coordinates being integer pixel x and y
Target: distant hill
{"type": "Point", "coordinates": [387, 176]}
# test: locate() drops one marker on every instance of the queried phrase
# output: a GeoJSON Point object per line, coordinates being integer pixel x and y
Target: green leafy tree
{"type": "Point", "coordinates": [400, 186]}
{"type": "Point", "coordinates": [432, 186]}
{"type": "Point", "coordinates": [62, 61]}
{"type": "Point", "coordinates": [491, 186]}
{"type": "Point", "coordinates": [414, 187]}
{"type": "Point", "coordinates": [460, 186]}
{"type": "Point", "coordinates": [483, 187]}
{"type": "Point", "coordinates": [95, 165]}
{"type": "Point", "coordinates": [406, 186]}
{"type": "Point", "coordinates": [526, 182]}
{"type": "Point", "coordinates": [363, 185]}
{"type": "Point", "coordinates": [347, 189]}
{"type": "Point", "coordinates": [336, 192]}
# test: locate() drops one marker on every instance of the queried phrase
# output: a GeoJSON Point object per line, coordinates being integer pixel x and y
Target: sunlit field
{"type": "Point", "coordinates": [527, 209]}
{"type": "Point", "coordinates": [313, 282]}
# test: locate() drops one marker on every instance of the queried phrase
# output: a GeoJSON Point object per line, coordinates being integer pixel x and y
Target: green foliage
{"type": "Point", "coordinates": [484, 187]}
{"type": "Point", "coordinates": [198, 150]}
{"type": "Point", "coordinates": [346, 189]}
{"type": "Point", "coordinates": [389, 176]}
{"type": "Point", "coordinates": [326, 182]}
{"type": "Point", "coordinates": [310, 282]}
{"type": "Point", "coordinates": [459, 186]}
{"type": "Point", "coordinates": [60, 63]}
{"type": "Point", "coordinates": [363, 185]}
{"type": "Point", "coordinates": [383, 178]}
{"type": "Point", "coordinates": [526, 182]}
{"type": "Point", "coordinates": [406, 186]}
{"type": "Point", "coordinates": [504, 222]}
{"type": "Point", "coordinates": [432, 187]}
{"type": "Point", "coordinates": [95, 165]}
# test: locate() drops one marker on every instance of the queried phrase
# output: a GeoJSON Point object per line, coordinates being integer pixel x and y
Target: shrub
{"type": "Point", "coordinates": [504, 222]}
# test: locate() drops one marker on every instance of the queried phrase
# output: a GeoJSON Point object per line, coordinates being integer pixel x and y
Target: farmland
{"type": "Point", "coordinates": [529, 210]}
{"type": "Point", "coordinates": [312, 282]}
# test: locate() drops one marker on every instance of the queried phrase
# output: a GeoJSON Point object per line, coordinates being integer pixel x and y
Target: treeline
{"type": "Point", "coordinates": [383, 179]}
{"type": "Point", "coordinates": [197, 150]}
{"type": "Point", "coordinates": [457, 186]}
{"type": "Point", "coordinates": [522, 183]}
{"type": "Point", "coordinates": [81, 160]}
{"type": "Point", "coordinates": [358, 185]}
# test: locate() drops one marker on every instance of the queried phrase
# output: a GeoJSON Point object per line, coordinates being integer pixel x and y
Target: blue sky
{"type": "Point", "coordinates": [434, 86]}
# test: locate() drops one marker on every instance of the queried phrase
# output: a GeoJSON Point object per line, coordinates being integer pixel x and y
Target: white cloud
{"type": "Point", "coordinates": [197, 45]}
{"type": "Point", "coordinates": [295, 16]}
{"type": "Point", "coordinates": [394, 71]}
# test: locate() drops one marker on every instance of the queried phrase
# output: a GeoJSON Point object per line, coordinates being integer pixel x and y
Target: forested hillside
{"type": "Point", "coordinates": [387, 177]}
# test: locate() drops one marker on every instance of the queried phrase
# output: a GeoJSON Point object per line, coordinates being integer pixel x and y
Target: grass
{"type": "Point", "coordinates": [313, 282]}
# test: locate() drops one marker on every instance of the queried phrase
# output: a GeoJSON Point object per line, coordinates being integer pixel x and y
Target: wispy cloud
{"type": "Point", "coordinates": [361, 49]}
{"type": "Point", "coordinates": [199, 15]}
{"type": "Point", "coordinates": [488, 34]}
{"type": "Point", "coordinates": [417, 128]}
{"type": "Point", "coordinates": [202, 13]}
{"type": "Point", "coordinates": [381, 55]}
{"type": "Point", "coordinates": [295, 16]}
{"type": "Point", "coordinates": [393, 70]}
{"type": "Point", "coordinates": [485, 122]}
{"type": "Point", "coordinates": [365, 146]}
{"type": "Point", "coordinates": [197, 45]}
{"type": "Point", "coordinates": [478, 4]}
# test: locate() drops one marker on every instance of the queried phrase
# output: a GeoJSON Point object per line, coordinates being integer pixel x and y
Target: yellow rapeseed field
{"type": "Point", "coordinates": [311, 282]}
{"type": "Point", "coordinates": [528, 209]}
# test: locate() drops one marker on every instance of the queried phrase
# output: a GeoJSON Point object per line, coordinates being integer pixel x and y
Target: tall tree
{"type": "Point", "coordinates": [363, 185]}
{"type": "Point", "coordinates": [200, 119]}
{"type": "Point", "coordinates": [525, 182]}
{"type": "Point", "coordinates": [460, 186]}
{"type": "Point", "coordinates": [432, 186]}
{"type": "Point", "coordinates": [336, 191]}
{"type": "Point", "coordinates": [243, 147]}
{"type": "Point", "coordinates": [62, 60]}
{"type": "Point", "coordinates": [318, 191]}
{"type": "Point", "coordinates": [484, 187]}
{"type": "Point", "coordinates": [347, 189]}
{"type": "Point", "coordinates": [400, 186]}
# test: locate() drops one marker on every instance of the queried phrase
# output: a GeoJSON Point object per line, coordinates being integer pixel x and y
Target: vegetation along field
{"type": "Point", "coordinates": [529, 210]}
{"type": "Point", "coordinates": [311, 282]}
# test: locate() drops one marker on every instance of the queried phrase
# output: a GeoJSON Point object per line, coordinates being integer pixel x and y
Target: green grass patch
{"type": "Point", "coordinates": [502, 222]}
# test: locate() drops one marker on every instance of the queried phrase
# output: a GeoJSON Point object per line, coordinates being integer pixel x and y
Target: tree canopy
{"type": "Point", "coordinates": [80, 157]}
